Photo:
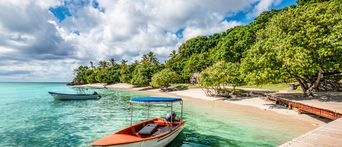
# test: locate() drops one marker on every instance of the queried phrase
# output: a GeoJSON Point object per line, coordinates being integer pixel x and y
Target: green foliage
{"type": "Point", "coordinates": [196, 46]}
{"type": "Point", "coordinates": [305, 2]}
{"type": "Point", "coordinates": [111, 72]}
{"type": "Point", "coordinates": [196, 63]}
{"type": "Point", "coordinates": [164, 78]}
{"type": "Point", "coordinates": [150, 58]}
{"type": "Point", "coordinates": [125, 71]}
{"type": "Point", "coordinates": [81, 73]}
{"type": "Point", "coordinates": [201, 52]}
{"type": "Point", "coordinates": [143, 73]}
{"type": "Point", "coordinates": [219, 75]}
{"type": "Point", "coordinates": [90, 76]}
{"type": "Point", "coordinates": [139, 77]}
{"type": "Point", "coordinates": [231, 46]}
{"type": "Point", "coordinates": [302, 43]}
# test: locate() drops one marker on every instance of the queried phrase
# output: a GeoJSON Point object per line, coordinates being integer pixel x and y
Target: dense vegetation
{"type": "Point", "coordinates": [300, 43]}
{"type": "Point", "coordinates": [137, 73]}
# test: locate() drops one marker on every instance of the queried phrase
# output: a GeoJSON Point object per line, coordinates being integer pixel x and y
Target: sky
{"type": "Point", "coordinates": [45, 40]}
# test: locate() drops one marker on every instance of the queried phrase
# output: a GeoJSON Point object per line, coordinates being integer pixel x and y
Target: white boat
{"type": "Point", "coordinates": [63, 96]}
{"type": "Point", "coordinates": [156, 132]}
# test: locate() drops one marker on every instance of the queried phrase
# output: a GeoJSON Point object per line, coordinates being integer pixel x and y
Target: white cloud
{"type": "Point", "coordinates": [139, 26]}
{"type": "Point", "coordinates": [32, 39]}
{"type": "Point", "coordinates": [263, 5]}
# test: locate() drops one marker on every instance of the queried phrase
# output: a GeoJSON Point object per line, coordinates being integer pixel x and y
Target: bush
{"type": "Point", "coordinates": [143, 73]}
{"type": "Point", "coordinates": [181, 86]}
{"type": "Point", "coordinates": [164, 78]}
{"type": "Point", "coordinates": [221, 74]}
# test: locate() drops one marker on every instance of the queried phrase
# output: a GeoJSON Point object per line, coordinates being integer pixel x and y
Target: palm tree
{"type": "Point", "coordinates": [123, 62]}
{"type": "Point", "coordinates": [103, 64]}
{"type": "Point", "coordinates": [92, 65]}
{"type": "Point", "coordinates": [173, 54]}
{"type": "Point", "coordinates": [144, 59]}
{"type": "Point", "coordinates": [112, 61]}
{"type": "Point", "coordinates": [152, 58]}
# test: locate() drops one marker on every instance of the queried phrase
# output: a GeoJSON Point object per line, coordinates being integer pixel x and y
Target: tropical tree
{"type": "Point", "coordinates": [231, 47]}
{"type": "Point", "coordinates": [103, 64]}
{"type": "Point", "coordinates": [215, 78]}
{"type": "Point", "coordinates": [81, 76]}
{"type": "Point", "coordinates": [164, 78]}
{"type": "Point", "coordinates": [196, 63]}
{"type": "Point", "coordinates": [305, 2]}
{"type": "Point", "coordinates": [91, 76]}
{"type": "Point", "coordinates": [92, 66]}
{"type": "Point", "coordinates": [126, 71]}
{"type": "Point", "coordinates": [112, 61]}
{"type": "Point", "coordinates": [303, 43]}
{"type": "Point", "coordinates": [142, 74]}
{"type": "Point", "coordinates": [173, 54]}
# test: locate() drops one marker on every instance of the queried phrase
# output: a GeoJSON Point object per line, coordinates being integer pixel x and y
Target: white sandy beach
{"type": "Point", "coordinates": [257, 105]}
{"type": "Point", "coordinates": [257, 102]}
{"type": "Point", "coordinates": [198, 93]}
{"type": "Point", "coordinates": [97, 85]}
{"type": "Point", "coordinates": [120, 86]}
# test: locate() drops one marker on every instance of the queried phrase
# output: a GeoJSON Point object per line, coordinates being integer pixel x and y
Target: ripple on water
{"type": "Point", "coordinates": [32, 118]}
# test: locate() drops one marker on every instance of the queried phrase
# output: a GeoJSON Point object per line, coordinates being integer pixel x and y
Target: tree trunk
{"type": "Point", "coordinates": [315, 84]}
{"type": "Point", "coordinates": [309, 89]}
{"type": "Point", "coordinates": [233, 92]}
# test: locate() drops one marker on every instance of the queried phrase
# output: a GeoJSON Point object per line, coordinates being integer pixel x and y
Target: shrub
{"type": "Point", "coordinates": [164, 78]}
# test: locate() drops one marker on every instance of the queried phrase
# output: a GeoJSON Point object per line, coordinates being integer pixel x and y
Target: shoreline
{"type": "Point", "coordinates": [257, 102]}
{"type": "Point", "coordinates": [257, 106]}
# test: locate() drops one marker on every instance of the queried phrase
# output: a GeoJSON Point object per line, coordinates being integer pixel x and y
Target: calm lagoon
{"type": "Point", "coordinates": [31, 117]}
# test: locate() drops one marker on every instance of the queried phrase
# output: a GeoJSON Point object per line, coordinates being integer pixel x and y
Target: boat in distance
{"type": "Point", "coordinates": [155, 132]}
{"type": "Point", "coordinates": [63, 96]}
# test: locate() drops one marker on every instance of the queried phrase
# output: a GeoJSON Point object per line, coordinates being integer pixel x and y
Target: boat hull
{"type": "Point", "coordinates": [153, 141]}
{"type": "Point", "coordinates": [157, 142]}
{"type": "Point", "coordinates": [59, 96]}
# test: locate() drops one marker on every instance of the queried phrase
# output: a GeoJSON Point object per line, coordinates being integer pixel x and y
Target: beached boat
{"type": "Point", "coordinates": [63, 96]}
{"type": "Point", "coordinates": [156, 132]}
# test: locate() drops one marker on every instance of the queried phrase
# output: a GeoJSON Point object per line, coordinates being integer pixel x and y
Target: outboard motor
{"type": "Point", "coordinates": [95, 93]}
{"type": "Point", "coordinates": [171, 117]}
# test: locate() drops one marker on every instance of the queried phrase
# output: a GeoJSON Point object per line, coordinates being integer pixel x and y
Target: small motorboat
{"type": "Point", "coordinates": [63, 96]}
{"type": "Point", "coordinates": [155, 132]}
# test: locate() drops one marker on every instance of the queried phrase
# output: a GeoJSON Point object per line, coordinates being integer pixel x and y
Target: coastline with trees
{"type": "Point", "coordinates": [298, 44]}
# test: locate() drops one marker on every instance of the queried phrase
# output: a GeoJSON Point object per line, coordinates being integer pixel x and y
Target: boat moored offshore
{"type": "Point", "coordinates": [63, 96]}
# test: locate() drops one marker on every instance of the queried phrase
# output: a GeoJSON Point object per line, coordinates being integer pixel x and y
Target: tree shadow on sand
{"type": "Point", "coordinates": [251, 94]}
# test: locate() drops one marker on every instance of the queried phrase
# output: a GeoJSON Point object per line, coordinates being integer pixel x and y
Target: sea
{"type": "Point", "coordinates": [30, 117]}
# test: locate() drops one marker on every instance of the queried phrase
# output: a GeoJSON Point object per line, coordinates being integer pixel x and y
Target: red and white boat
{"type": "Point", "coordinates": [154, 132]}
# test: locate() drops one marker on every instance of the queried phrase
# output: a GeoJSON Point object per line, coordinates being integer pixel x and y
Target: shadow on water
{"type": "Point", "coordinates": [191, 138]}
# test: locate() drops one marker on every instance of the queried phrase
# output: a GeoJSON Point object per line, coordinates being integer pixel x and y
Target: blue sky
{"type": "Point", "coordinates": [44, 40]}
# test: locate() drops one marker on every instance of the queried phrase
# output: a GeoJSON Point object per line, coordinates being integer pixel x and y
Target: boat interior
{"type": "Point", "coordinates": [145, 130]}
{"type": "Point", "coordinates": [150, 128]}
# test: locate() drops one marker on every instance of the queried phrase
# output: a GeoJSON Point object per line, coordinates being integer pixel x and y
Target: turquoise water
{"type": "Point", "coordinates": [31, 117]}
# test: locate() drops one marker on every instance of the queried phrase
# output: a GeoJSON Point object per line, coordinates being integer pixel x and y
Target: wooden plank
{"type": "Point", "coordinates": [328, 135]}
{"type": "Point", "coordinates": [302, 107]}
